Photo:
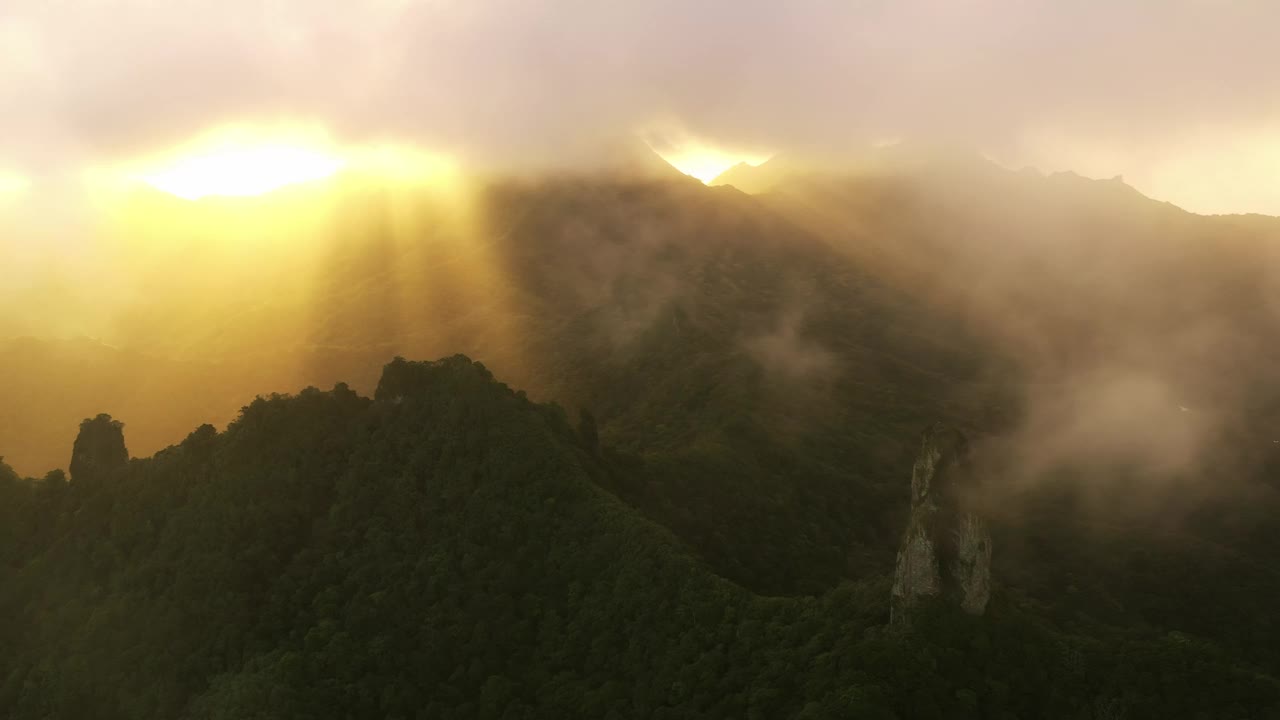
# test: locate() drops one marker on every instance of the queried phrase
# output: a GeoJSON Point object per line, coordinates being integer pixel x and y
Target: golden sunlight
{"type": "Point", "coordinates": [242, 172]}
{"type": "Point", "coordinates": [399, 164]}
{"type": "Point", "coordinates": [698, 159]}
{"type": "Point", "coordinates": [240, 162]}
{"type": "Point", "coordinates": [703, 162]}
{"type": "Point", "coordinates": [12, 183]}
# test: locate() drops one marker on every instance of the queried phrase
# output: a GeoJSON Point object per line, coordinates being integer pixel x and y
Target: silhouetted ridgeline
{"type": "Point", "coordinates": [449, 550]}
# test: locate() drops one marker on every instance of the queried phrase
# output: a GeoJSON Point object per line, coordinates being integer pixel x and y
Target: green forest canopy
{"type": "Point", "coordinates": [449, 549]}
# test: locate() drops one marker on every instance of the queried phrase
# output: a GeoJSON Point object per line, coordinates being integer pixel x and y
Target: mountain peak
{"type": "Point", "coordinates": [404, 378]}
{"type": "Point", "coordinates": [99, 449]}
{"type": "Point", "coordinates": [754, 179]}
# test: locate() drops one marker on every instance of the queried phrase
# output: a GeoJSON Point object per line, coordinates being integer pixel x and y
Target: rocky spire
{"type": "Point", "coordinates": [99, 449]}
{"type": "Point", "coordinates": [946, 549]}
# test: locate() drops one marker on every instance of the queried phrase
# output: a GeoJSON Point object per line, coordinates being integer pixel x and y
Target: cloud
{"type": "Point", "coordinates": [784, 352]}
{"type": "Point", "coordinates": [1110, 417]}
{"type": "Point", "coordinates": [1118, 85]}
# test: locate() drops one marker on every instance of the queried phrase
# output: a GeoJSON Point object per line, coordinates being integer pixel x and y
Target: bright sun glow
{"type": "Point", "coordinates": [692, 156]}
{"type": "Point", "coordinates": [706, 164]}
{"type": "Point", "coordinates": [400, 164]}
{"type": "Point", "coordinates": [242, 167]}
{"type": "Point", "coordinates": [244, 161]}
{"type": "Point", "coordinates": [12, 183]}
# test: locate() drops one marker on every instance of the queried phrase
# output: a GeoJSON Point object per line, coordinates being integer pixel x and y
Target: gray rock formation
{"type": "Point", "coordinates": [946, 550]}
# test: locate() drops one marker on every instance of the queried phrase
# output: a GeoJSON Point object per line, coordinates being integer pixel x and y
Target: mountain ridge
{"type": "Point", "coordinates": [462, 534]}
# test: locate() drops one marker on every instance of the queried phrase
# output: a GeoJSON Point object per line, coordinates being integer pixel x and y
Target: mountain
{"type": "Point", "coordinates": [778, 170]}
{"type": "Point", "coordinates": [446, 549]}
{"type": "Point", "coordinates": [758, 369]}
{"type": "Point", "coordinates": [1075, 279]}
{"type": "Point", "coordinates": [783, 348]}
{"type": "Point", "coordinates": [691, 321]}
{"type": "Point", "coordinates": [784, 170]}
{"type": "Point", "coordinates": [750, 179]}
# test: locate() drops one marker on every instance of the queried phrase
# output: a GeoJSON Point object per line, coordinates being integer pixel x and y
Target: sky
{"type": "Point", "coordinates": [1181, 97]}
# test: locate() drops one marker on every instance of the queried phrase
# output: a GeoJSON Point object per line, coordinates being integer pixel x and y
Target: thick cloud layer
{"type": "Point", "coordinates": [1180, 96]}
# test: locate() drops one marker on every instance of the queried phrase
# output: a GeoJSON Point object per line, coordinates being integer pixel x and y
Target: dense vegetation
{"type": "Point", "coordinates": [447, 550]}
{"type": "Point", "coordinates": [737, 353]}
{"type": "Point", "coordinates": [710, 530]}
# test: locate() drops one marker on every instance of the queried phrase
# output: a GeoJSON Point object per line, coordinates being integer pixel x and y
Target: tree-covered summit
{"type": "Point", "coordinates": [448, 550]}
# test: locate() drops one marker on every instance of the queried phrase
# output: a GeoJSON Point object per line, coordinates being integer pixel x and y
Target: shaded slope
{"type": "Point", "coordinates": [692, 321]}
{"type": "Point", "coordinates": [1142, 466]}
{"type": "Point", "coordinates": [442, 551]}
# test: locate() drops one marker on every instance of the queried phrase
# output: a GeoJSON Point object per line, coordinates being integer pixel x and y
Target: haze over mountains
{"type": "Point", "coordinates": [757, 360]}
{"type": "Point", "coordinates": [1067, 275]}
{"type": "Point", "coordinates": [733, 359]}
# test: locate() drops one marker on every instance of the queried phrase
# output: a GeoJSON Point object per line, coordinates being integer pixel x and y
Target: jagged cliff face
{"type": "Point", "coordinates": [946, 549]}
{"type": "Point", "coordinates": [99, 449]}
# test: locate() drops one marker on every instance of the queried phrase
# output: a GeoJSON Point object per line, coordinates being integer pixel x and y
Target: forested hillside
{"type": "Point", "coordinates": [447, 549]}
{"type": "Point", "coordinates": [728, 346]}
{"type": "Point", "coordinates": [639, 360]}
{"type": "Point", "coordinates": [746, 379]}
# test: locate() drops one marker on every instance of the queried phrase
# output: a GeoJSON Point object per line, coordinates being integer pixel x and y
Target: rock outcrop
{"type": "Point", "coordinates": [99, 450]}
{"type": "Point", "coordinates": [946, 550]}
